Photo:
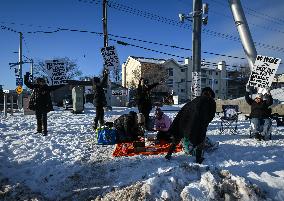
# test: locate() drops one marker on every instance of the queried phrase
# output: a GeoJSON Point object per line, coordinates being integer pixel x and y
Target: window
{"type": "Point", "coordinates": [216, 73]}
{"type": "Point", "coordinates": [210, 72]}
{"type": "Point", "coordinates": [216, 81]}
{"type": "Point", "coordinates": [216, 91]}
{"type": "Point", "coordinates": [170, 82]}
{"type": "Point", "coordinates": [182, 70]}
{"type": "Point", "coordinates": [182, 80]}
{"type": "Point", "coordinates": [171, 72]}
{"type": "Point", "coordinates": [182, 90]}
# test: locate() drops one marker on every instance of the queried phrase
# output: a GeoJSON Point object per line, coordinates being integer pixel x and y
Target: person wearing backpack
{"type": "Point", "coordinates": [40, 101]}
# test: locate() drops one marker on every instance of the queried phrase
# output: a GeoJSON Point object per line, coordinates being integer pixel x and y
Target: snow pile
{"type": "Point", "coordinates": [69, 165]}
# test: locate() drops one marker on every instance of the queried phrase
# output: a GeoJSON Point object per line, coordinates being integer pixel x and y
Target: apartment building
{"type": "Point", "coordinates": [176, 74]}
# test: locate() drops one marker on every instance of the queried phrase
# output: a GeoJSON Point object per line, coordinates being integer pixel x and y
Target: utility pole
{"type": "Point", "coordinates": [196, 49]}
{"type": "Point", "coordinates": [20, 96]}
{"type": "Point", "coordinates": [108, 92]}
{"type": "Point", "coordinates": [196, 17]}
{"type": "Point", "coordinates": [105, 23]}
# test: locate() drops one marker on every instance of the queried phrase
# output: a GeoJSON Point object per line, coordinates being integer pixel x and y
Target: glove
{"type": "Point", "coordinates": [248, 88]}
{"type": "Point", "coordinates": [268, 90]}
{"type": "Point", "coordinates": [28, 74]}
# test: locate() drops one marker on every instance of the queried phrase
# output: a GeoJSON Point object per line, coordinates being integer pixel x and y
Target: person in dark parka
{"type": "Point", "coordinates": [144, 98]}
{"type": "Point", "coordinates": [192, 121]}
{"type": "Point", "coordinates": [260, 113]}
{"type": "Point", "coordinates": [40, 101]}
{"type": "Point", "coordinates": [100, 98]}
{"type": "Point", "coordinates": [127, 127]}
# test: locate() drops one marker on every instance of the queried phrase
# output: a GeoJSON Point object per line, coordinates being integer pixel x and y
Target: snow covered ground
{"type": "Point", "coordinates": [68, 165]}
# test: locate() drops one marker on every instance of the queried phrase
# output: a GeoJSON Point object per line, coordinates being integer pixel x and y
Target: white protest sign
{"type": "Point", "coordinates": [119, 92]}
{"type": "Point", "coordinates": [110, 57]}
{"type": "Point", "coordinates": [56, 70]}
{"type": "Point", "coordinates": [263, 71]}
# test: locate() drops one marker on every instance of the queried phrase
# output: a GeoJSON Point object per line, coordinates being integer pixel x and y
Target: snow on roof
{"type": "Point", "coordinates": [149, 60]}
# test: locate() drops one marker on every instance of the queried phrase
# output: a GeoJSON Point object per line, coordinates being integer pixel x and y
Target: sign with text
{"type": "Point", "coordinates": [263, 71]}
{"type": "Point", "coordinates": [119, 92]}
{"type": "Point", "coordinates": [110, 57]}
{"type": "Point", "coordinates": [196, 84]}
{"type": "Point", "coordinates": [19, 81]}
{"type": "Point", "coordinates": [56, 70]}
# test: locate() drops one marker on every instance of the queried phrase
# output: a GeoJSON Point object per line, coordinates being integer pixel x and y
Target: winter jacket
{"type": "Point", "coordinates": [40, 99]}
{"type": "Point", "coordinates": [261, 109]}
{"type": "Point", "coordinates": [193, 119]}
{"type": "Point", "coordinates": [99, 92]}
{"type": "Point", "coordinates": [163, 124]}
{"type": "Point", "coordinates": [127, 127]}
{"type": "Point", "coordinates": [144, 96]}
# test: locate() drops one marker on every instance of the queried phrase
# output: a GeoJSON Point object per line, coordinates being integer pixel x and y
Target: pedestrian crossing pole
{"type": "Point", "coordinates": [20, 96]}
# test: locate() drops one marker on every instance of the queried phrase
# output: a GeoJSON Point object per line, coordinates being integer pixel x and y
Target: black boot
{"type": "Point", "coordinates": [199, 158]}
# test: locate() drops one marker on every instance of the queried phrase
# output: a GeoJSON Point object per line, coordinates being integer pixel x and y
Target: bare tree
{"type": "Point", "coordinates": [72, 68]}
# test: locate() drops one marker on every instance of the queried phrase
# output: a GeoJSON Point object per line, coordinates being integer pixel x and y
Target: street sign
{"type": "Point", "coordinates": [19, 89]}
{"type": "Point", "coordinates": [19, 81]}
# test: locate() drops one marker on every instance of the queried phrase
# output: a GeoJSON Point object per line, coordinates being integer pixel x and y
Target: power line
{"type": "Point", "coordinates": [134, 39]}
{"type": "Point", "coordinates": [122, 43]}
{"type": "Point", "coordinates": [138, 12]}
{"type": "Point", "coordinates": [255, 13]}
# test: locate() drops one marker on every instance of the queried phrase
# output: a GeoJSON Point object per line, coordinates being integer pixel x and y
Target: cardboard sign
{"type": "Point", "coordinates": [263, 71]}
{"type": "Point", "coordinates": [110, 57]}
{"type": "Point", "coordinates": [56, 70]}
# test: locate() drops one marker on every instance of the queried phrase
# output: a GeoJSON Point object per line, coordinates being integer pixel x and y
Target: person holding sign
{"type": "Point", "coordinates": [99, 98]}
{"type": "Point", "coordinates": [144, 99]}
{"type": "Point", "coordinates": [40, 101]}
{"type": "Point", "coordinates": [260, 113]}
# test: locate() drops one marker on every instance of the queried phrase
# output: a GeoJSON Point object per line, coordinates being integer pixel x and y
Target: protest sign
{"type": "Point", "coordinates": [56, 70]}
{"type": "Point", "coordinates": [110, 57]}
{"type": "Point", "coordinates": [263, 71]}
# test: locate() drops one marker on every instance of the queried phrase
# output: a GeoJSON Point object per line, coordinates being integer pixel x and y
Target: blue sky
{"type": "Point", "coordinates": [157, 22]}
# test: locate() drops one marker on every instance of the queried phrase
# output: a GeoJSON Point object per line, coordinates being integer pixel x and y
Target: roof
{"type": "Point", "coordinates": [149, 60]}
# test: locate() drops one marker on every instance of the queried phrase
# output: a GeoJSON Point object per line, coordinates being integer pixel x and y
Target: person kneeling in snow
{"type": "Point", "coordinates": [191, 123]}
{"type": "Point", "coordinates": [128, 127]}
{"type": "Point", "coordinates": [162, 125]}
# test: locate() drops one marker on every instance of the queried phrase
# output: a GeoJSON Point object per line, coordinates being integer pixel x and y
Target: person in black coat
{"type": "Point", "coordinates": [40, 101]}
{"type": "Point", "coordinates": [100, 98]}
{"type": "Point", "coordinates": [144, 101]}
{"type": "Point", "coordinates": [192, 121]}
{"type": "Point", "coordinates": [128, 127]}
{"type": "Point", "coordinates": [260, 113]}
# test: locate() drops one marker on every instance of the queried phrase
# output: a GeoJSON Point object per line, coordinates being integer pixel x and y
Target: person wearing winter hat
{"type": "Point", "coordinates": [191, 123]}
{"type": "Point", "coordinates": [260, 113]}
